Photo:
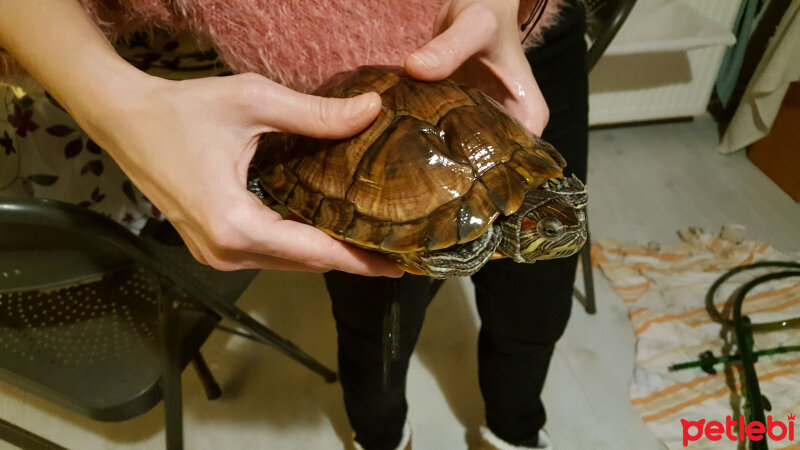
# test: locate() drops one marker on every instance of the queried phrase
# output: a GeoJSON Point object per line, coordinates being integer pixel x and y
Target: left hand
{"type": "Point", "coordinates": [477, 42]}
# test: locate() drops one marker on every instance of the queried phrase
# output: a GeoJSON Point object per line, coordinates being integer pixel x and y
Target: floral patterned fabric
{"type": "Point", "coordinates": [44, 154]}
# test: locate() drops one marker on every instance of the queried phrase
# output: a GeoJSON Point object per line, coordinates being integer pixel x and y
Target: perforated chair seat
{"type": "Point", "coordinates": [103, 322]}
{"type": "Point", "coordinates": [92, 345]}
{"type": "Point", "coordinates": [82, 350]}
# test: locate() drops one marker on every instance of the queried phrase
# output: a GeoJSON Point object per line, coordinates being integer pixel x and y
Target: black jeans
{"type": "Point", "coordinates": [523, 307]}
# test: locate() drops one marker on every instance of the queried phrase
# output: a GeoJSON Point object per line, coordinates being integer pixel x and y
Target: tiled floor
{"type": "Point", "coordinates": [645, 183]}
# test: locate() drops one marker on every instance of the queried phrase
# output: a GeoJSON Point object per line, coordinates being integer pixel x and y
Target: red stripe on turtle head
{"type": "Point", "coordinates": [529, 224]}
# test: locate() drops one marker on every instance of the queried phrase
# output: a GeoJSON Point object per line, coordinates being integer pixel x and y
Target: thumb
{"type": "Point", "coordinates": [311, 247]}
{"type": "Point", "coordinates": [278, 108]}
{"type": "Point", "coordinates": [471, 32]}
{"type": "Point", "coordinates": [523, 99]}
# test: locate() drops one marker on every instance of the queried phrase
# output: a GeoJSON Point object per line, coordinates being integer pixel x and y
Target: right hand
{"type": "Point", "coordinates": [477, 43]}
{"type": "Point", "coordinates": [187, 146]}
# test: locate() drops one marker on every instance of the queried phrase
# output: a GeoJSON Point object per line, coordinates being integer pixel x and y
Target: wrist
{"type": "Point", "coordinates": [105, 91]}
{"type": "Point", "coordinates": [109, 100]}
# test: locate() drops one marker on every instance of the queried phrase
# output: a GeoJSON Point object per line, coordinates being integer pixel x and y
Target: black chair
{"type": "Point", "coordinates": [102, 322]}
{"type": "Point", "coordinates": [605, 18]}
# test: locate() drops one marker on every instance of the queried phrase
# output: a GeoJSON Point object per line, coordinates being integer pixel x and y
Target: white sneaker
{"type": "Point", "coordinates": [405, 441]}
{"type": "Point", "coordinates": [489, 441]}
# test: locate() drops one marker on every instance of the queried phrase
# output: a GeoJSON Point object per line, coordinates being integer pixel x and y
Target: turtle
{"type": "Point", "coordinates": [443, 180]}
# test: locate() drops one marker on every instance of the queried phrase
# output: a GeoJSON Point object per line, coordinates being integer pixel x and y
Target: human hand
{"type": "Point", "coordinates": [187, 145]}
{"type": "Point", "coordinates": [477, 42]}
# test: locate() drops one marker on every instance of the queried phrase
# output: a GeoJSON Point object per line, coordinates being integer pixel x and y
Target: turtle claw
{"type": "Point", "coordinates": [408, 268]}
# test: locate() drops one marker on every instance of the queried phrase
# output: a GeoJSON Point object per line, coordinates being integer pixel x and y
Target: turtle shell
{"type": "Point", "coordinates": [439, 164]}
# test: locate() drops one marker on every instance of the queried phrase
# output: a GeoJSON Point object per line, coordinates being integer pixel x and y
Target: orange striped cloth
{"type": "Point", "coordinates": [664, 287]}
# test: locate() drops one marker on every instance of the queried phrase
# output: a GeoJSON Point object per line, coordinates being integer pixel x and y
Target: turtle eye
{"type": "Point", "coordinates": [550, 228]}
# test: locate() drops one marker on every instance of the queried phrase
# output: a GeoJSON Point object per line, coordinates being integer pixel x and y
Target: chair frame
{"type": "Point", "coordinates": [76, 219]}
{"type": "Point", "coordinates": [598, 47]}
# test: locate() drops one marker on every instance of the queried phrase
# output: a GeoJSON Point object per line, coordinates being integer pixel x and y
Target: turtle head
{"type": "Point", "coordinates": [551, 223]}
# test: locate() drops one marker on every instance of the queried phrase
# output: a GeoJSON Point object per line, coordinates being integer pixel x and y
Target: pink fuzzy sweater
{"type": "Point", "coordinates": [298, 43]}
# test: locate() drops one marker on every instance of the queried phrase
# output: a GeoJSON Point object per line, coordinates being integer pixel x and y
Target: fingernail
{"type": "Point", "coordinates": [427, 59]}
{"type": "Point", "coordinates": [357, 106]}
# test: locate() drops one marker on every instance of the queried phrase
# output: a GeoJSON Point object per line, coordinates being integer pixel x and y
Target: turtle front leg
{"type": "Point", "coordinates": [460, 260]}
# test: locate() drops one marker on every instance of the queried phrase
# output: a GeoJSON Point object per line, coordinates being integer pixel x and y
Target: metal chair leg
{"type": "Point", "coordinates": [210, 385]}
{"type": "Point", "coordinates": [588, 276]}
{"type": "Point", "coordinates": [587, 297]}
{"type": "Point", "coordinates": [171, 372]}
{"type": "Point", "coordinates": [436, 284]}
{"type": "Point", "coordinates": [256, 331]}
{"type": "Point", "coordinates": [22, 438]}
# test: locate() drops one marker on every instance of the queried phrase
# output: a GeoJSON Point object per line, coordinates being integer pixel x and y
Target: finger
{"type": "Point", "coordinates": [525, 101]}
{"type": "Point", "coordinates": [314, 248]}
{"type": "Point", "coordinates": [228, 260]}
{"type": "Point", "coordinates": [242, 257]}
{"type": "Point", "coordinates": [239, 260]}
{"type": "Point", "coordinates": [471, 32]}
{"type": "Point", "coordinates": [311, 247]}
{"type": "Point", "coordinates": [249, 260]}
{"type": "Point", "coordinates": [278, 108]}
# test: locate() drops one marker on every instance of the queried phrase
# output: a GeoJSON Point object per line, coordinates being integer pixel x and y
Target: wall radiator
{"type": "Point", "coordinates": [668, 78]}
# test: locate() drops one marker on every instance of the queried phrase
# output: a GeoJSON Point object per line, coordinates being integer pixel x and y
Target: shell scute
{"type": "Point", "coordinates": [303, 201]}
{"type": "Point", "coordinates": [467, 134]}
{"type": "Point", "coordinates": [406, 174]}
{"type": "Point", "coordinates": [476, 214]}
{"type": "Point", "coordinates": [505, 188]}
{"type": "Point", "coordinates": [329, 166]}
{"type": "Point", "coordinates": [334, 215]}
{"type": "Point", "coordinates": [281, 182]}
{"type": "Point", "coordinates": [427, 102]}
{"type": "Point", "coordinates": [363, 79]}
{"type": "Point", "coordinates": [367, 231]}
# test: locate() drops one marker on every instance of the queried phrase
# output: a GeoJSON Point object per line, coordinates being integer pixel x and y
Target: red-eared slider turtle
{"type": "Point", "coordinates": [443, 180]}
